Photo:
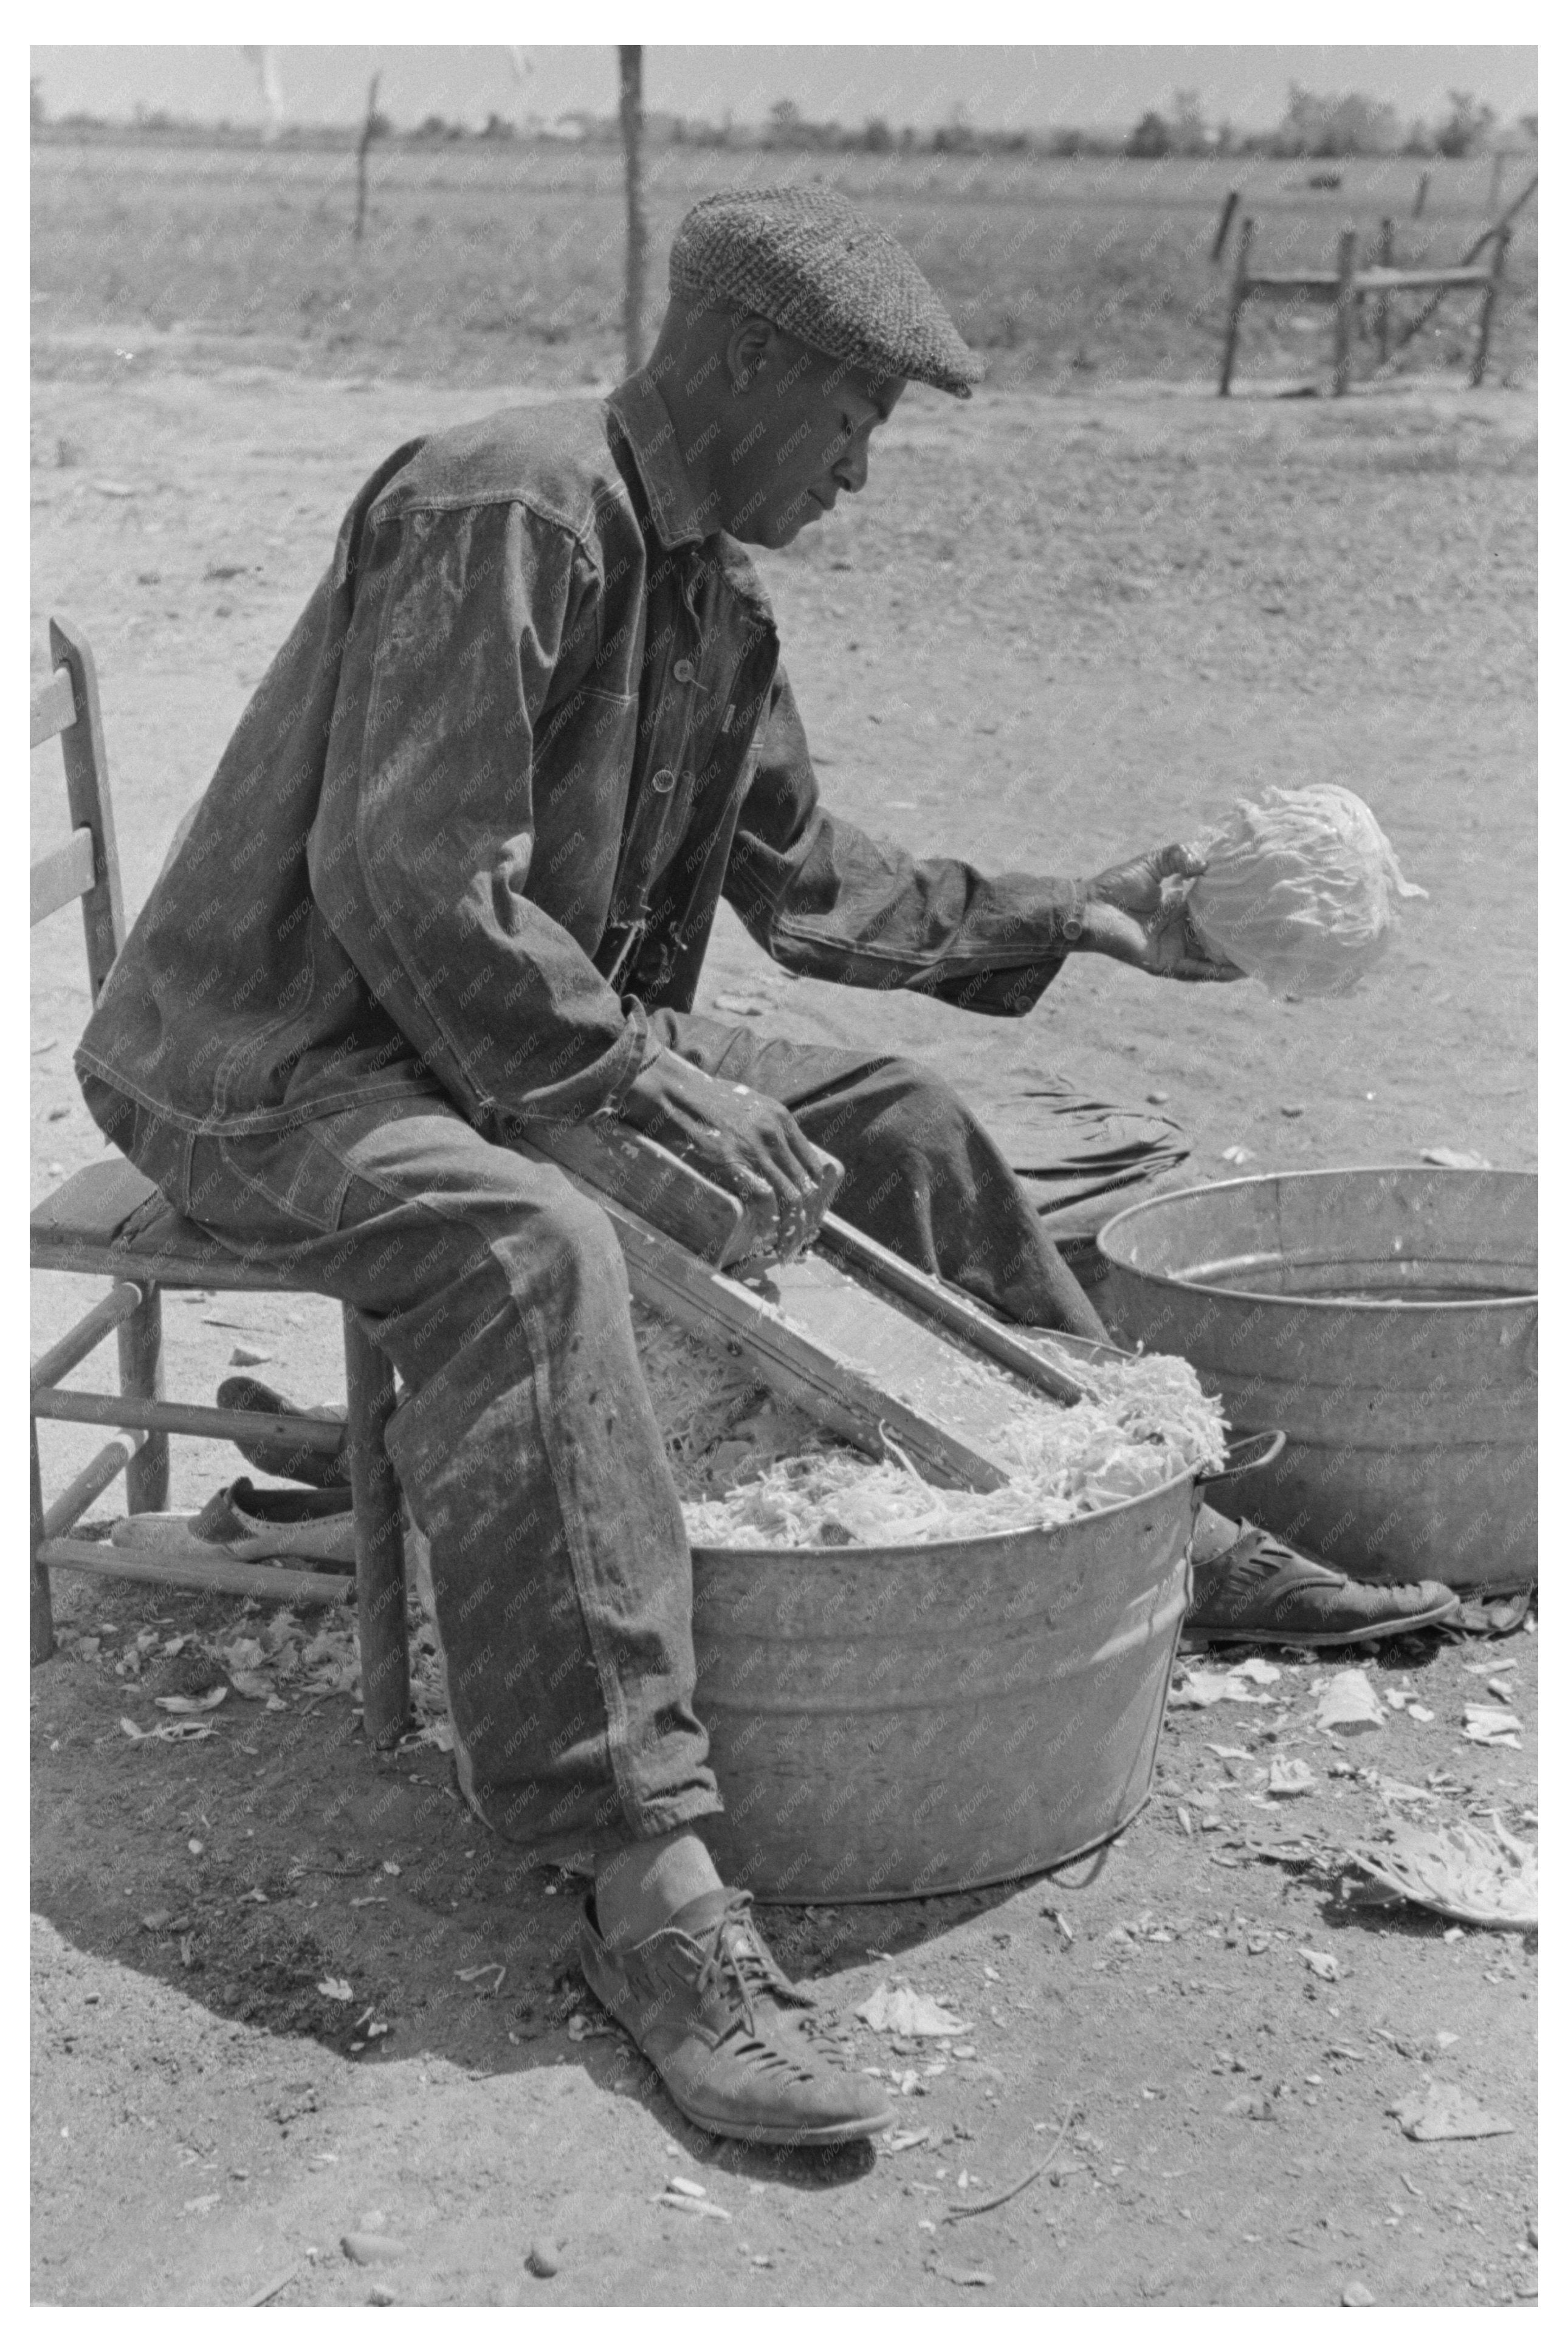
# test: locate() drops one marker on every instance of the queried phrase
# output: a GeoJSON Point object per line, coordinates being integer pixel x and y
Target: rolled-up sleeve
{"type": "Point", "coordinates": [828, 901]}
{"type": "Point", "coordinates": [422, 860]}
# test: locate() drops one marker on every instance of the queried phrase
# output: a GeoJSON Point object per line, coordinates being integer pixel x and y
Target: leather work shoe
{"type": "Point", "coordinates": [312, 1465]}
{"type": "Point", "coordinates": [709, 2006]}
{"type": "Point", "coordinates": [1262, 1589]}
{"type": "Point", "coordinates": [287, 1522]}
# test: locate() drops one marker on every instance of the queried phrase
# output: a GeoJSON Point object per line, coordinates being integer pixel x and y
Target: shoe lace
{"type": "Point", "coordinates": [739, 1962]}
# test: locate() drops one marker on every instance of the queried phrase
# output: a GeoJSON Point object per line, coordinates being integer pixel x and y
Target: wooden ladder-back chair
{"type": "Point", "coordinates": [108, 1219]}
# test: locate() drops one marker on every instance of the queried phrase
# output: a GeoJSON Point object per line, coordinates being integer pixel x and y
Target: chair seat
{"type": "Point", "coordinates": [110, 1219]}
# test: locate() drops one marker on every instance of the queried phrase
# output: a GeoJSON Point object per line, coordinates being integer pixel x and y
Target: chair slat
{"type": "Point", "coordinates": [102, 1471]}
{"type": "Point", "coordinates": [218, 1271]}
{"type": "Point", "coordinates": [189, 1420]}
{"type": "Point", "coordinates": [86, 765]}
{"type": "Point", "coordinates": [258, 1579]}
{"type": "Point", "coordinates": [62, 875]}
{"type": "Point", "coordinates": [51, 708]}
{"type": "Point", "coordinates": [84, 1337]}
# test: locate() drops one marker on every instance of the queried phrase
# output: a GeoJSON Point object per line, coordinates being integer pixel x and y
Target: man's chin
{"type": "Point", "coordinates": [779, 529]}
{"type": "Point", "coordinates": [773, 530]}
{"type": "Point", "coordinates": [790, 525]}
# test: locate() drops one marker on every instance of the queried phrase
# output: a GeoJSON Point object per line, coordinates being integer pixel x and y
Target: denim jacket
{"type": "Point", "coordinates": [479, 811]}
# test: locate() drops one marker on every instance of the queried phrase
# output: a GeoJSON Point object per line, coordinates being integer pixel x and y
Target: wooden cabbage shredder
{"type": "Point", "coordinates": [852, 1334]}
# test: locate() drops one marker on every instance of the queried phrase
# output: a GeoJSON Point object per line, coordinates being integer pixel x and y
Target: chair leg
{"type": "Point", "coordinates": [41, 1609]}
{"type": "Point", "coordinates": [141, 1337]}
{"type": "Point", "coordinates": [378, 1539]}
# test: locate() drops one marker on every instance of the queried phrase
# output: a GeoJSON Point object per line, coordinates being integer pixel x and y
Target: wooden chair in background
{"type": "Point", "coordinates": [108, 1219]}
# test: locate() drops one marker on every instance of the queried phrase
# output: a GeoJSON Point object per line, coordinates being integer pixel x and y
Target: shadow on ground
{"type": "Point", "coordinates": [282, 1876]}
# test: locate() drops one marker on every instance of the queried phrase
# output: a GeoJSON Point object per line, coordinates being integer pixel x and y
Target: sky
{"type": "Point", "coordinates": [998, 87]}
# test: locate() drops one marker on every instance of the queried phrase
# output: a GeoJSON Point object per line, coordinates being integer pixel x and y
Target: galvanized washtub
{"type": "Point", "coordinates": [1385, 1318]}
{"type": "Point", "coordinates": [911, 1719]}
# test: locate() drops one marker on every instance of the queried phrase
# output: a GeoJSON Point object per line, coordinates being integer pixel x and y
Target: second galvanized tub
{"type": "Point", "coordinates": [1385, 1318]}
{"type": "Point", "coordinates": [912, 1720]}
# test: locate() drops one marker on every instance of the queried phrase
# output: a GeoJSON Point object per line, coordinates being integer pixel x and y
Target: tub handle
{"type": "Point", "coordinates": [1248, 1453]}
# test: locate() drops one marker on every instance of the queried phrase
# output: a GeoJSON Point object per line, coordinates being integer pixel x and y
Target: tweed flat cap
{"type": "Point", "coordinates": [807, 261]}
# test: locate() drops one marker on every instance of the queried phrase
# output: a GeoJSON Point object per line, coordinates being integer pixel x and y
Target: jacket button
{"type": "Point", "coordinates": [664, 780]}
{"type": "Point", "coordinates": [685, 672]}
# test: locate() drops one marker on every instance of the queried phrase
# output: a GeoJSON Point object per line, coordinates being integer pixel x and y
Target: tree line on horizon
{"type": "Point", "coordinates": [1315, 126]}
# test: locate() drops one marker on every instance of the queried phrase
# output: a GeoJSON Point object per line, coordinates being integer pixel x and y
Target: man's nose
{"type": "Point", "coordinates": [853, 467]}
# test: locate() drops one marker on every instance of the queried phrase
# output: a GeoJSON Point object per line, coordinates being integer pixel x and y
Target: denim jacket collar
{"type": "Point", "coordinates": [640, 413]}
{"type": "Point", "coordinates": [673, 514]}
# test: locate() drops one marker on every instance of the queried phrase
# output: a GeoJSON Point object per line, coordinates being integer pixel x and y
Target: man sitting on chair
{"type": "Point", "coordinates": [453, 879]}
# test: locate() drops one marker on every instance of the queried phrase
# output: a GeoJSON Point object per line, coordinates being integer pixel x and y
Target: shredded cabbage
{"type": "Point", "coordinates": [1300, 891]}
{"type": "Point", "coordinates": [754, 1472]}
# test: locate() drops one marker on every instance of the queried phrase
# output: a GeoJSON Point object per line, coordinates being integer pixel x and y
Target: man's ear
{"type": "Point", "coordinates": [748, 350]}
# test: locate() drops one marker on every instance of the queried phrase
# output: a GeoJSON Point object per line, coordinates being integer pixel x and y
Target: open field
{"type": "Point", "coordinates": [1051, 632]}
{"type": "Point", "coordinates": [485, 264]}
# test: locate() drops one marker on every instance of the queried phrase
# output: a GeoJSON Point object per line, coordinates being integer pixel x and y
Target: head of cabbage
{"type": "Point", "coordinates": [1301, 889]}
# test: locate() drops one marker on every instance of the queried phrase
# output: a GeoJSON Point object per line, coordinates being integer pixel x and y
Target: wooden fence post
{"type": "Point", "coordinates": [1488, 305]}
{"type": "Point", "coordinates": [1413, 326]}
{"type": "Point", "coordinates": [366, 135]}
{"type": "Point", "coordinates": [1344, 311]}
{"type": "Point", "coordinates": [1227, 214]}
{"type": "Point", "coordinates": [637, 224]}
{"type": "Point", "coordinates": [1419, 206]}
{"type": "Point", "coordinates": [1386, 261]}
{"type": "Point", "coordinates": [1237, 298]}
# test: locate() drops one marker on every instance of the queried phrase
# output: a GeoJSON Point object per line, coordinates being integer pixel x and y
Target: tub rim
{"type": "Point", "coordinates": [1291, 1300]}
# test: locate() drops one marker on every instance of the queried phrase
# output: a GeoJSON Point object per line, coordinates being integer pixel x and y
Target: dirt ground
{"type": "Point", "coordinates": [1052, 631]}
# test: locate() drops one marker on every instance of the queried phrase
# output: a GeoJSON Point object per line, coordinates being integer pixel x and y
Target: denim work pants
{"type": "Point", "coordinates": [526, 1443]}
